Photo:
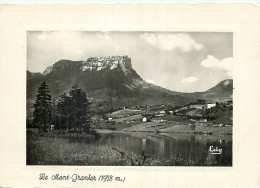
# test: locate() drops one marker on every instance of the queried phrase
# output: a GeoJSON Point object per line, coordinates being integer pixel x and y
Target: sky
{"type": "Point", "coordinates": [179, 61]}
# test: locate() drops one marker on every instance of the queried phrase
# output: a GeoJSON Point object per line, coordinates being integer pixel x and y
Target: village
{"type": "Point", "coordinates": [196, 117]}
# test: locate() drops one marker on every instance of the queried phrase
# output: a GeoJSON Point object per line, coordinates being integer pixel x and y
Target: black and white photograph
{"type": "Point", "coordinates": [129, 98]}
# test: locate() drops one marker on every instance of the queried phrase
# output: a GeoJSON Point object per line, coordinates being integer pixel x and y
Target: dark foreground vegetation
{"type": "Point", "coordinates": [70, 112]}
{"type": "Point", "coordinates": [61, 132]}
{"type": "Point", "coordinates": [63, 149]}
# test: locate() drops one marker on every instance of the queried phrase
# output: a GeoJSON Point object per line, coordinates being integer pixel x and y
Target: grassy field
{"type": "Point", "coordinates": [219, 122]}
{"type": "Point", "coordinates": [44, 150]}
{"type": "Point", "coordinates": [124, 113]}
{"type": "Point", "coordinates": [61, 151]}
{"type": "Point", "coordinates": [136, 117]}
{"type": "Point", "coordinates": [174, 124]}
{"type": "Point", "coordinates": [196, 128]}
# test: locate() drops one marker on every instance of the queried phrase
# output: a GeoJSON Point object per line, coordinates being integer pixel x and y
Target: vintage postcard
{"type": "Point", "coordinates": [167, 101]}
{"type": "Point", "coordinates": [129, 95]}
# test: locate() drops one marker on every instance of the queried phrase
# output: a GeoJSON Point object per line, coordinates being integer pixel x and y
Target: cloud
{"type": "Point", "coordinates": [146, 49]}
{"type": "Point", "coordinates": [190, 79]}
{"type": "Point", "coordinates": [171, 41]}
{"type": "Point", "coordinates": [225, 64]}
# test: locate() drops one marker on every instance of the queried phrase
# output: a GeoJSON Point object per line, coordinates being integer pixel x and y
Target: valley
{"type": "Point", "coordinates": [130, 121]}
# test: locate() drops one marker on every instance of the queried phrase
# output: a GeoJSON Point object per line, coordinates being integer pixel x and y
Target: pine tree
{"type": "Point", "coordinates": [42, 107]}
{"type": "Point", "coordinates": [63, 112]}
{"type": "Point", "coordinates": [80, 109]}
{"type": "Point", "coordinates": [54, 113]}
{"type": "Point", "coordinates": [88, 117]}
{"type": "Point", "coordinates": [73, 111]}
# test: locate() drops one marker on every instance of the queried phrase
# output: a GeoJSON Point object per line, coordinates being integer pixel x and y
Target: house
{"type": "Point", "coordinates": [162, 112]}
{"type": "Point", "coordinates": [210, 105]}
{"type": "Point", "coordinates": [203, 120]}
{"type": "Point", "coordinates": [159, 115]}
{"type": "Point", "coordinates": [52, 127]}
{"type": "Point", "coordinates": [146, 119]}
{"type": "Point", "coordinates": [171, 112]}
{"type": "Point", "coordinates": [198, 106]}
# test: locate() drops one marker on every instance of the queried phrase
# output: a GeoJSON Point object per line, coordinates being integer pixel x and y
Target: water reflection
{"type": "Point", "coordinates": [144, 145]}
{"type": "Point", "coordinates": [194, 147]}
{"type": "Point", "coordinates": [161, 148]}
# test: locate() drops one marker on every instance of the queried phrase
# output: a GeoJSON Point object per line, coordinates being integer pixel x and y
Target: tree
{"type": "Point", "coordinates": [42, 107]}
{"type": "Point", "coordinates": [74, 110]}
{"type": "Point", "coordinates": [80, 109]}
{"type": "Point", "coordinates": [63, 111]}
{"type": "Point", "coordinates": [201, 101]}
{"type": "Point", "coordinates": [88, 116]}
{"type": "Point", "coordinates": [54, 113]}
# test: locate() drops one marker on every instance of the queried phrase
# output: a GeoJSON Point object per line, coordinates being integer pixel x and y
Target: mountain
{"type": "Point", "coordinates": [221, 92]}
{"type": "Point", "coordinates": [111, 82]}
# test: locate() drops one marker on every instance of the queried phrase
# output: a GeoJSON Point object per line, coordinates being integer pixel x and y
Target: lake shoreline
{"type": "Point", "coordinates": [181, 132]}
{"type": "Point", "coordinates": [168, 124]}
{"type": "Point", "coordinates": [45, 150]}
{"type": "Point", "coordinates": [187, 129]}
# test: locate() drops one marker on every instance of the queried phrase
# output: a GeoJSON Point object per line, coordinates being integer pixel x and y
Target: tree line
{"type": "Point", "coordinates": [69, 112]}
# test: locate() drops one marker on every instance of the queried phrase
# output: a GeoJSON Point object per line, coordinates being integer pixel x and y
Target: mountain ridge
{"type": "Point", "coordinates": [112, 81]}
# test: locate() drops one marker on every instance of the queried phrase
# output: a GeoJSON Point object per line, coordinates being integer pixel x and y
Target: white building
{"type": "Point", "coordinates": [144, 119]}
{"type": "Point", "coordinates": [162, 112]}
{"type": "Point", "coordinates": [198, 106]}
{"type": "Point", "coordinates": [210, 105]}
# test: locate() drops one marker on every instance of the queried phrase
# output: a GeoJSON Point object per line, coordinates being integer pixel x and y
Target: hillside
{"type": "Point", "coordinates": [112, 82]}
{"type": "Point", "coordinates": [221, 92]}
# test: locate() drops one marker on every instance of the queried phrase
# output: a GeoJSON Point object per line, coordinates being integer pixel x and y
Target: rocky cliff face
{"type": "Point", "coordinates": [113, 74]}
{"type": "Point", "coordinates": [95, 64]}
{"type": "Point", "coordinates": [100, 63]}
{"type": "Point", "coordinates": [108, 81]}
{"type": "Point", "coordinates": [112, 81]}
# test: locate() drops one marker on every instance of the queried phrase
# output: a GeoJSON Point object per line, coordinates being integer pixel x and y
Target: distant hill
{"type": "Point", "coordinates": [111, 81]}
{"type": "Point", "coordinates": [221, 92]}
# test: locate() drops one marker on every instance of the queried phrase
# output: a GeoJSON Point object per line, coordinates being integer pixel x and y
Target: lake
{"type": "Point", "coordinates": [164, 145]}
